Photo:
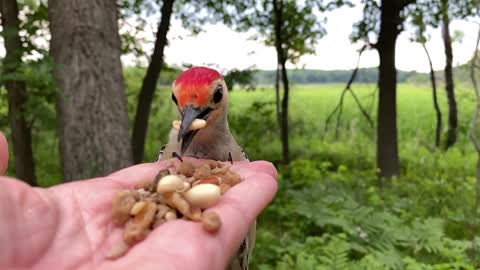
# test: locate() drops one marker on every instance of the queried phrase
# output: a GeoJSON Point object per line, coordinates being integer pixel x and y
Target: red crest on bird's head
{"type": "Point", "coordinates": [193, 85]}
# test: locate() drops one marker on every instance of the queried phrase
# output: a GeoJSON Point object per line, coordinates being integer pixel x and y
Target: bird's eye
{"type": "Point", "coordinates": [217, 97]}
{"type": "Point", "coordinates": [174, 99]}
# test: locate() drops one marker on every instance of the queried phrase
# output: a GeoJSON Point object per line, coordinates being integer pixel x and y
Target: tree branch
{"type": "Point", "coordinates": [339, 107]}
{"type": "Point", "coordinates": [362, 109]}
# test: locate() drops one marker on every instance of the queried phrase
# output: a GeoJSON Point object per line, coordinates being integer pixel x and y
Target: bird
{"type": "Point", "coordinates": [201, 93]}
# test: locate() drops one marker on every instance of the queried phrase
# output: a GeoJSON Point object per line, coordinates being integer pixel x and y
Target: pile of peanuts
{"type": "Point", "coordinates": [176, 192]}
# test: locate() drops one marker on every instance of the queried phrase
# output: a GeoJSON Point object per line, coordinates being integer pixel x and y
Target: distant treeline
{"type": "Point", "coordinates": [307, 76]}
{"type": "Point", "coordinates": [364, 75]}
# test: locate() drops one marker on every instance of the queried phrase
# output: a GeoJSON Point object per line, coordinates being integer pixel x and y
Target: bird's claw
{"type": "Point", "coordinates": [230, 157]}
{"type": "Point", "coordinates": [176, 155]}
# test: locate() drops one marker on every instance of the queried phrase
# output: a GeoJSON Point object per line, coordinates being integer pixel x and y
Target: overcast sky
{"type": "Point", "coordinates": [228, 49]}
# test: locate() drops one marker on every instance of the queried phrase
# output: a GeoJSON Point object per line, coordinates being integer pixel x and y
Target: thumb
{"type": "Point", "coordinates": [3, 154]}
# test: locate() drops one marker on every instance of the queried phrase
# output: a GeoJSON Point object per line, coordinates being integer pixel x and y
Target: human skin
{"type": "Point", "coordinates": [3, 154]}
{"type": "Point", "coordinates": [69, 226]}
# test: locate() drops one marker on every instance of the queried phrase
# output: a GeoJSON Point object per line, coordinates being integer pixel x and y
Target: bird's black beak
{"type": "Point", "coordinates": [188, 116]}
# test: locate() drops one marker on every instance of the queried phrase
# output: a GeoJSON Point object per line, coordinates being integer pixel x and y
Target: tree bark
{"type": "Point", "coordinates": [91, 102]}
{"type": "Point", "coordinates": [17, 94]}
{"type": "Point", "coordinates": [387, 145]}
{"type": "Point", "coordinates": [277, 94]}
{"type": "Point", "coordinates": [438, 113]}
{"type": "Point", "coordinates": [449, 86]}
{"type": "Point", "coordinates": [284, 116]}
{"type": "Point", "coordinates": [149, 84]}
{"type": "Point", "coordinates": [282, 59]}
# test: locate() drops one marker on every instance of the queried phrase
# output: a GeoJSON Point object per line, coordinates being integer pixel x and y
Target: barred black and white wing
{"type": "Point", "coordinates": [244, 154]}
{"type": "Point", "coordinates": [160, 153]}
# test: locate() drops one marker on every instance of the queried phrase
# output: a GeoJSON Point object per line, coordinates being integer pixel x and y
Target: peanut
{"type": "Point", "coordinates": [224, 188]}
{"type": "Point", "coordinates": [176, 124]}
{"type": "Point", "coordinates": [203, 171]}
{"type": "Point", "coordinates": [187, 169]}
{"type": "Point", "coordinates": [196, 214]}
{"type": "Point", "coordinates": [197, 124]}
{"type": "Point", "coordinates": [122, 203]}
{"type": "Point", "coordinates": [159, 217]}
{"type": "Point", "coordinates": [160, 175]}
{"type": "Point", "coordinates": [169, 183]}
{"type": "Point", "coordinates": [176, 201]}
{"type": "Point", "coordinates": [186, 186]}
{"type": "Point", "coordinates": [231, 178]}
{"type": "Point", "coordinates": [137, 207]}
{"type": "Point", "coordinates": [220, 171]}
{"type": "Point", "coordinates": [171, 215]}
{"type": "Point", "coordinates": [212, 164]}
{"type": "Point", "coordinates": [156, 198]}
{"type": "Point", "coordinates": [137, 228]}
{"type": "Point", "coordinates": [211, 221]}
{"type": "Point", "coordinates": [203, 196]}
{"type": "Point", "coordinates": [117, 250]}
{"type": "Point", "coordinates": [134, 232]}
{"type": "Point", "coordinates": [210, 180]}
{"type": "Point", "coordinates": [162, 210]}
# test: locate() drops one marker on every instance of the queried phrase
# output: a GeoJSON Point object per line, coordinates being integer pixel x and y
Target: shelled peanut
{"type": "Point", "coordinates": [184, 192]}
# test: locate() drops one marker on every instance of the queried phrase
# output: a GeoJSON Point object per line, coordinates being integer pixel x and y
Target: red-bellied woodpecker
{"type": "Point", "coordinates": [201, 93]}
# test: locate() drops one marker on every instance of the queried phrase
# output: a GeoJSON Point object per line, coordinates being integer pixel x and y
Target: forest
{"type": "Point", "coordinates": [378, 168]}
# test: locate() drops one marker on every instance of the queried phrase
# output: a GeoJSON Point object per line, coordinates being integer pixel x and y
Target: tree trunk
{"type": "Point", "coordinates": [91, 102]}
{"type": "Point", "coordinates": [149, 84]}
{"type": "Point", "coordinates": [387, 148]}
{"type": "Point", "coordinates": [438, 113]}
{"type": "Point", "coordinates": [277, 94]}
{"type": "Point", "coordinates": [17, 94]}
{"type": "Point", "coordinates": [282, 59]}
{"type": "Point", "coordinates": [449, 87]}
{"type": "Point", "coordinates": [284, 116]}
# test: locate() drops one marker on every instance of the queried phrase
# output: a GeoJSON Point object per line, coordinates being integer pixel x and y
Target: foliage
{"type": "Point", "coordinates": [428, 13]}
{"type": "Point", "coordinates": [241, 78]}
{"type": "Point", "coordinates": [133, 20]}
{"type": "Point", "coordinates": [36, 70]}
{"type": "Point", "coordinates": [339, 220]}
{"type": "Point", "coordinates": [369, 27]}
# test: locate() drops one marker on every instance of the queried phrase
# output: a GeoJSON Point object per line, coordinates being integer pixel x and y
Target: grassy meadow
{"type": "Point", "coordinates": [329, 212]}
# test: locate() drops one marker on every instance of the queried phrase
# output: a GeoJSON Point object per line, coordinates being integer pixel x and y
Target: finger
{"type": "Point", "coordinates": [3, 154]}
{"type": "Point", "coordinates": [258, 166]}
{"type": "Point", "coordinates": [241, 205]}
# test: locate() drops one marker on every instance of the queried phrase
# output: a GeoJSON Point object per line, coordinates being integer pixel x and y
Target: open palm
{"type": "Point", "coordinates": [69, 226]}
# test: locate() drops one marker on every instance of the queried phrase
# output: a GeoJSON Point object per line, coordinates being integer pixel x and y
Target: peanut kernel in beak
{"type": "Point", "coordinates": [196, 124]}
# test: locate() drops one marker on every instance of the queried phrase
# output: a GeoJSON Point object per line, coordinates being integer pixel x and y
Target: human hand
{"type": "Point", "coordinates": [69, 226]}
